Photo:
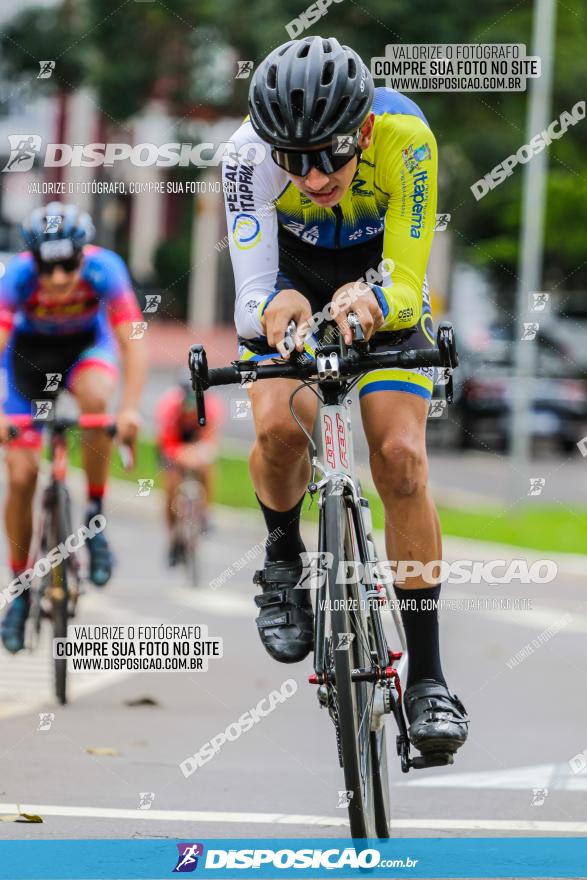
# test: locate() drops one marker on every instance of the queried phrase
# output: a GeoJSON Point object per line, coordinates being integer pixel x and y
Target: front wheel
{"type": "Point", "coordinates": [59, 527]}
{"type": "Point", "coordinates": [189, 511]}
{"type": "Point", "coordinates": [362, 740]}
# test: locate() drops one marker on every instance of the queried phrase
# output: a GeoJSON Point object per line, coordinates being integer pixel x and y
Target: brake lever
{"type": "Point", "coordinates": [296, 356]}
{"type": "Point", "coordinates": [447, 348]}
{"type": "Point", "coordinates": [359, 341]}
{"type": "Point", "coordinates": [198, 365]}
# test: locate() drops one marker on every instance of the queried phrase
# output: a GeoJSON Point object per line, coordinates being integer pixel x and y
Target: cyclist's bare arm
{"type": "Point", "coordinates": [4, 334]}
{"type": "Point", "coordinates": [133, 355]}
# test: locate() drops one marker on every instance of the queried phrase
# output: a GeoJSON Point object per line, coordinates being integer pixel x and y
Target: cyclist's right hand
{"type": "Point", "coordinates": [289, 305]}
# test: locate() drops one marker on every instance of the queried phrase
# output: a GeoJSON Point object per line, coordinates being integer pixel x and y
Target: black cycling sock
{"type": "Point", "coordinates": [94, 507]}
{"type": "Point", "coordinates": [284, 541]}
{"type": "Point", "coordinates": [421, 627]}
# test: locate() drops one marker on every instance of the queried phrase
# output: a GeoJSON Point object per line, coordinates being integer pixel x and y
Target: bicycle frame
{"type": "Point", "coordinates": [336, 367]}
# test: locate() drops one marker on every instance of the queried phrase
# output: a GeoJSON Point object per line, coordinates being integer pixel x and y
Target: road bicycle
{"type": "Point", "coordinates": [55, 593]}
{"type": "Point", "coordinates": [190, 512]}
{"type": "Point", "coordinates": [356, 674]}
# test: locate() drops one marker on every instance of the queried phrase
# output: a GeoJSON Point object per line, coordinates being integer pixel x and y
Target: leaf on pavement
{"type": "Point", "coordinates": [20, 817]}
{"type": "Point", "coordinates": [103, 751]}
{"type": "Point", "coordinates": [141, 701]}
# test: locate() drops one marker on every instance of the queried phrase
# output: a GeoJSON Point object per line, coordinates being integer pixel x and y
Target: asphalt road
{"type": "Point", "coordinates": [281, 778]}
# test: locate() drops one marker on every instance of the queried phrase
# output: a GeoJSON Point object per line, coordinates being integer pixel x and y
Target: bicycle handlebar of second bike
{"type": "Point", "coordinates": [86, 421]}
{"type": "Point", "coordinates": [18, 422]}
{"type": "Point", "coordinates": [357, 360]}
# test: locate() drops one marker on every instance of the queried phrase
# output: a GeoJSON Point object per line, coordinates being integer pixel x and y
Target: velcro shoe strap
{"type": "Point", "coordinates": [278, 574]}
{"type": "Point", "coordinates": [270, 597]}
{"type": "Point", "coordinates": [439, 707]}
{"type": "Point", "coordinates": [283, 619]}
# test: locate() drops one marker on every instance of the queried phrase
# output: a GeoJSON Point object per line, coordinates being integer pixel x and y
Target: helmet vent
{"type": "Point", "coordinates": [326, 47]}
{"type": "Point", "coordinates": [327, 73]}
{"type": "Point", "coordinates": [272, 77]}
{"type": "Point", "coordinates": [303, 50]}
{"type": "Point", "coordinates": [365, 106]}
{"type": "Point", "coordinates": [297, 103]}
{"type": "Point", "coordinates": [278, 114]}
{"type": "Point", "coordinates": [343, 106]}
{"type": "Point", "coordinates": [352, 68]}
{"type": "Point", "coordinates": [319, 110]}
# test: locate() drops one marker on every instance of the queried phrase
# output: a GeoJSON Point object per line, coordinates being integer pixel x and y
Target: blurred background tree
{"type": "Point", "coordinates": [184, 52]}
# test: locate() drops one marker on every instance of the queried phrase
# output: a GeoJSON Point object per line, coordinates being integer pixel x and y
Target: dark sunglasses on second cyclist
{"type": "Point", "coordinates": [69, 265]}
{"type": "Point", "coordinates": [328, 160]}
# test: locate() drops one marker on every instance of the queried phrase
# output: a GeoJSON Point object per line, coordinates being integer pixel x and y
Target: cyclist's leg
{"type": "Point", "coordinates": [279, 462]}
{"type": "Point", "coordinates": [399, 466]}
{"type": "Point", "coordinates": [93, 387]}
{"type": "Point", "coordinates": [22, 464]}
{"type": "Point", "coordinates": [92, 380]}
{"type": "Point", "coordinates": [172, 475]}
{"type": "Point", "coordinates": [279, 467]}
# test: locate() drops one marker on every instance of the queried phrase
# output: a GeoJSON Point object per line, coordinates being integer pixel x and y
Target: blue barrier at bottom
{"type": "Point", "coordinates": [225, 858]}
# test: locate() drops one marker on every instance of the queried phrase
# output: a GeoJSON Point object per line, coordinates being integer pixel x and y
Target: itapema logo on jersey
{"type": "Point", "coordinates": [419, 198]}
{"type": "Point", "coordinates": [24, 149]}
{"type": "Point", "coordinates": [412, 157]}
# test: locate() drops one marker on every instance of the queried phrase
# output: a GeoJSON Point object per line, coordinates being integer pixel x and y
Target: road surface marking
{"type": "Point", "coordinates": [551, 776]}
{"type": "Point", "coordinates": [26, 679]}
{"type": "Point", "coordinates": [294, 819]}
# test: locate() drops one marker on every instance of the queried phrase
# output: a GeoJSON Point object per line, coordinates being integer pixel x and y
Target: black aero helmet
{"type": "Point", "coordinates": [307, 91]}
{"type": "Point", "coordinates": [57, 231]}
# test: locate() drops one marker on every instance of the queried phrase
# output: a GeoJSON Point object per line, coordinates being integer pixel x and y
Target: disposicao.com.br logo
{"type": "Point", "coordinates": [328, 859]}
{"type": "Point", "coordinates": [26, 149]}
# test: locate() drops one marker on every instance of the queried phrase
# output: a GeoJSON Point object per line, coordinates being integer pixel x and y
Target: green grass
{"type": "Point", "coordinates": [553, 528]}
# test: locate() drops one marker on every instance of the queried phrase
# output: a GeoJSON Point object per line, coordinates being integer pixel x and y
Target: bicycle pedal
{"type": "Point", "coordinates": [432, 759]}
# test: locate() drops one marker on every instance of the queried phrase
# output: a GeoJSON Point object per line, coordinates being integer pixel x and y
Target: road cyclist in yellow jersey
{"type": "Point", "coordinates": [330, 203]}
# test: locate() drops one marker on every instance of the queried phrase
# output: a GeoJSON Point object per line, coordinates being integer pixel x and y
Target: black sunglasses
{"type": "Point", "coordinates": [66, 265]}
{"type": "Point", "coordinates": [327, 160]}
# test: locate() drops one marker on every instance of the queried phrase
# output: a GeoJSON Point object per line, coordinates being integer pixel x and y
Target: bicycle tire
{"type": "Point", "coordinates": [364, 754]}
{"type": "Point", "coordinates": [189, 513]}
{"type": "Point", "coordinates": [59, 528]}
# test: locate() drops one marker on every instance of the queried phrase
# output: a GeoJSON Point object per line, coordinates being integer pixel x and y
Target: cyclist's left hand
{"type": "Point", "coordinates": [356, 297]}
{"type": "Point", "coordinates": [128, 422]}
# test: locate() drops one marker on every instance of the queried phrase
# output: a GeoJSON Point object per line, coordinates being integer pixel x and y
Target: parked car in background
{"type": "Point", "coordinates": [484, 393]}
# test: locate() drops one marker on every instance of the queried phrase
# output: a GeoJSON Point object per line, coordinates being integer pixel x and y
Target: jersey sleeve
{"type": "Point", "coordinates": [409, 172]}
{"type": "Point", "coordinates": [10, 285]}
{"type": "Point", "coordinates": [110, 277]}
{"type": "Point", "coordinates": [250, 187]}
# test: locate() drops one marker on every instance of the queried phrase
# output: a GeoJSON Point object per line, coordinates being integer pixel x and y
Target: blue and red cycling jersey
{"type": "Point", "coordinates": [102, 298]}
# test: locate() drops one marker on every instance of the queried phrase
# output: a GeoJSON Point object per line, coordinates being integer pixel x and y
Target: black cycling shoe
{"type": "Point", "coordinates": [13, 624]}
{"type": "Point", "coordinates": [438, 720]}
{"type": "Point", "coordinates": [176, 552]}
{"type": "Point", "coordinates": [286, 619]}
{"type": "Point", "coordinates": [101, 560]}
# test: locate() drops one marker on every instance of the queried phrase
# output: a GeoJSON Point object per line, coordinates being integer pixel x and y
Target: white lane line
{"type": "Point", "coordinates": [294, 819]}
{"type": "Point", "coordinates": [224, 603]}
{"type": "Point", "coordinates": [552, 776]}
{"type": "Point", "coordinates": [26, 679]}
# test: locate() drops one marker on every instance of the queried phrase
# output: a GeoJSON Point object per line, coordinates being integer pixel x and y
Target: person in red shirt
{"type": "Point", "coordinates": [185, 446]}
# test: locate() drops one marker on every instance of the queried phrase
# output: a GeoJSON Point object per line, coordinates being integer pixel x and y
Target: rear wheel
{"type": "Point", "coordinates": [364, 754]}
